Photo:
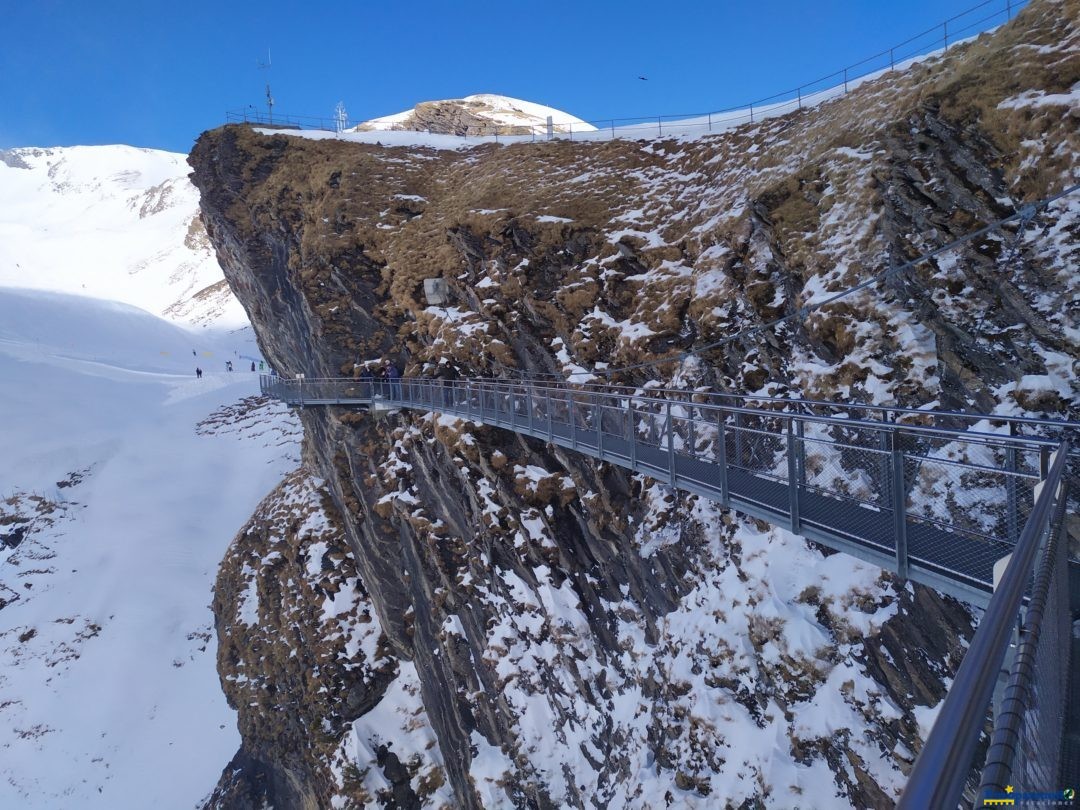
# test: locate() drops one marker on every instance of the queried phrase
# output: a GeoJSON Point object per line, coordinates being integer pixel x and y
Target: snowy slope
{"type": "Point", "coordinates": [116, 507]}
{"type": "Point", "coordinates": [111, 222]}
{"type": "Point", "coordinates": [490, 107]}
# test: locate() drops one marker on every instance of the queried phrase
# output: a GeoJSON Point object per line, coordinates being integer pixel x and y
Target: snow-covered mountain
{"type": "Point", "coordinates": [124, 479]}
{"type": "Point", "coordinates": [111, 222]}
{"type": "Point", "coordinates": [483, 113]}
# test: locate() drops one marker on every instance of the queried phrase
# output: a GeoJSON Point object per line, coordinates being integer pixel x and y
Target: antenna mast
{"type": "Point", "coordinates": [341, 118]}
{"type": "Point", "coordinates": [269, 98]}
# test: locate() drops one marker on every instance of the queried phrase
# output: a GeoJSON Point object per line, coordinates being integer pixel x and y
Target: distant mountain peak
{"type": "Point", "coordinates": [478, 114]}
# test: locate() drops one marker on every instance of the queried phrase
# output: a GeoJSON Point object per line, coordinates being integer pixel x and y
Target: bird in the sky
{"type": "Point", "coordinates": [643, 78]}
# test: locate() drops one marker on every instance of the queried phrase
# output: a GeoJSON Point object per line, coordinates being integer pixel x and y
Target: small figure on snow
{"type": "Point", "coordinates": [252, 365]}
{"type": "Point", "coordinates": [198, 373]}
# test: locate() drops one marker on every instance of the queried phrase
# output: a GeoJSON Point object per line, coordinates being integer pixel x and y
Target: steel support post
{"type": "Point", "coordinates": [800, 456]}
{"type": "Point", "coordinates": [721, 458]}
{"type": "Point", "coordinates": [1011, 506]}
{"type": "Point", "coordinates": [899, 504]}
{"type": "Point", "coordinates": [691, 443]}
{"type": "Point", "coordinates": [599, 430]}
{"type": "Point", "coordinates": [529, 405]}
{"type": "Point", "coordinates": [570, 417]}
{"type": "Point", "coordinates": [793, 476]}
{"type": "Point", "coordinates": [670, 446]}
{"type": "Point", "coordinates": [884, 444]}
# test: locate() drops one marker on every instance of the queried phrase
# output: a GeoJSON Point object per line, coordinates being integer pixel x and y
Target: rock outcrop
{"type": "Point", "coordinates": [544, 630]}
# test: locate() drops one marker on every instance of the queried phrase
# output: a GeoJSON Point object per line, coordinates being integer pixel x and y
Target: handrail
{"type": "Point", "coordinates": [1015, 702]}
{"type": "Point", "coordinates": [939, 775]}
{"type": "Point", "coordinates": [639, 394]}
{"type": "Point", "coordinates": [636, 391]}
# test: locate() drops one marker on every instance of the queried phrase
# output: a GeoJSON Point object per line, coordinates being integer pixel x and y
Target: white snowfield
{"type": "Point", "coordinates": [115, 511]}
{"type": "Point", "coordinates": [110, 222]}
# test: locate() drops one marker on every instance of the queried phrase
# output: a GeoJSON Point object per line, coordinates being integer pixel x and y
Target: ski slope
{"type": "Point", "coordinates": [116, 507]}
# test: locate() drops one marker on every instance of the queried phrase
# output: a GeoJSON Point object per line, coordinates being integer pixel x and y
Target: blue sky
{"type": "Point", "coordinates": [152, 73]}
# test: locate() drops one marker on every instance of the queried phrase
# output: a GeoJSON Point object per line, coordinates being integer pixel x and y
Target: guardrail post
{"type": "Point", "coordinates": [548, 407]}
{"type": "Point", "coordinates": [599, 428]}
{"type": "Point", "coordinates": [884, 440]}
{"type": "Point", "coordinates": [692, 444]}
{"type": "Point", "coordinates": [570, 417]}
{"type": "Point", "coordinates": [513, 409]}
{"type": "Point", "coordinates": [800, 455]}
{"type": "Point", "coordinates": [529, 405]}
{"type": "Point", "coordinates": [899, 504]}
{"type": "Point", "coordinates": [670, 446]}
{"type": "Point", "coordinates": [1012, 512]}
{"type": "Point", "coordinates": [300, 390]}
{"type": "Point", "coordinates": [738, 439]}
{"type": "Point", "coordinates": [721, 457]}
{"type": "Point", "coordinates": [793, 476]}
{"type": "Point", "coordinates": [631, 429]}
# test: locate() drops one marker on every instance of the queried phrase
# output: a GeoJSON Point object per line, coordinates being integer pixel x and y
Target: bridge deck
{"type": "Point", "coordinates": [947, 558]}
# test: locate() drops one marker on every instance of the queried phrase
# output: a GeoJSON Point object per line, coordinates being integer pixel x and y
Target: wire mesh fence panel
{"type": "Point", "coordinates": [756, 451]}
{"type": "Point", "coordinates": [862, 474]}
{"type": "Point", "coordinates": [1037, 759]}
{"type": "Point", "coordinates": [1027, 744]}
{"type": "Point", "coordinates": [977, 500]}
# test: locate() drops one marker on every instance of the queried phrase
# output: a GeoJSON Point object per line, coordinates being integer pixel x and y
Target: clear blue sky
{"type": "Point", "coordinates": [155, 73]}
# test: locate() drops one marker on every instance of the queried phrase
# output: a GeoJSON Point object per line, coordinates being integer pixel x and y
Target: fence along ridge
{"type": "Point", "coordinates": [766, 106]}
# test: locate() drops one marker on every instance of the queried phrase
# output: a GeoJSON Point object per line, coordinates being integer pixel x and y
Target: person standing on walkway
{"type": "Point", "coordinates": [367, 380]}
{"type": "Point", "coordinates": [394, 376]}
{"type": "Point", "coordinates": [252, 365]}
{"type": "Point", "coordinates": [198, 373]}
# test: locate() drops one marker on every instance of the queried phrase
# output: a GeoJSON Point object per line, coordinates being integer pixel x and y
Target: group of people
{"type": "Point", "coordinates": [384, 379]}
{"type": "Point", "coordinates": [229, 367]}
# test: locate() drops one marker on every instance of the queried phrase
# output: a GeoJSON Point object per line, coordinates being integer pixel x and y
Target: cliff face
{"type": "Point", "coordinates": [539, 629]}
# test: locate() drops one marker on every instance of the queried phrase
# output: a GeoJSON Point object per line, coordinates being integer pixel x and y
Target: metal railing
{"type": "Point", "coordinates": [935, 504]}
{"type": "Point", "coordinates": [965, 24]}
{"type": "Point", "coordinates": [938, 505]}
{"type": "Point", "coordinates": [1026, 744]}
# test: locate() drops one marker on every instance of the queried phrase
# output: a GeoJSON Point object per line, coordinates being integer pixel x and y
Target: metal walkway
{"type": "Point", "coordinates": [940, 498]}
{"type": "Point", "coordinates": [895, 487]}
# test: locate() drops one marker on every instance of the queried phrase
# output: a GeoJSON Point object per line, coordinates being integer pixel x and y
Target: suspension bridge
{"type": "Point", "coordinates": [972, 505]}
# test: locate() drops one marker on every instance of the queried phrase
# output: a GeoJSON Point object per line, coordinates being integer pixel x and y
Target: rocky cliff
{"type": "Point", "coordinates": [521, 626]}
